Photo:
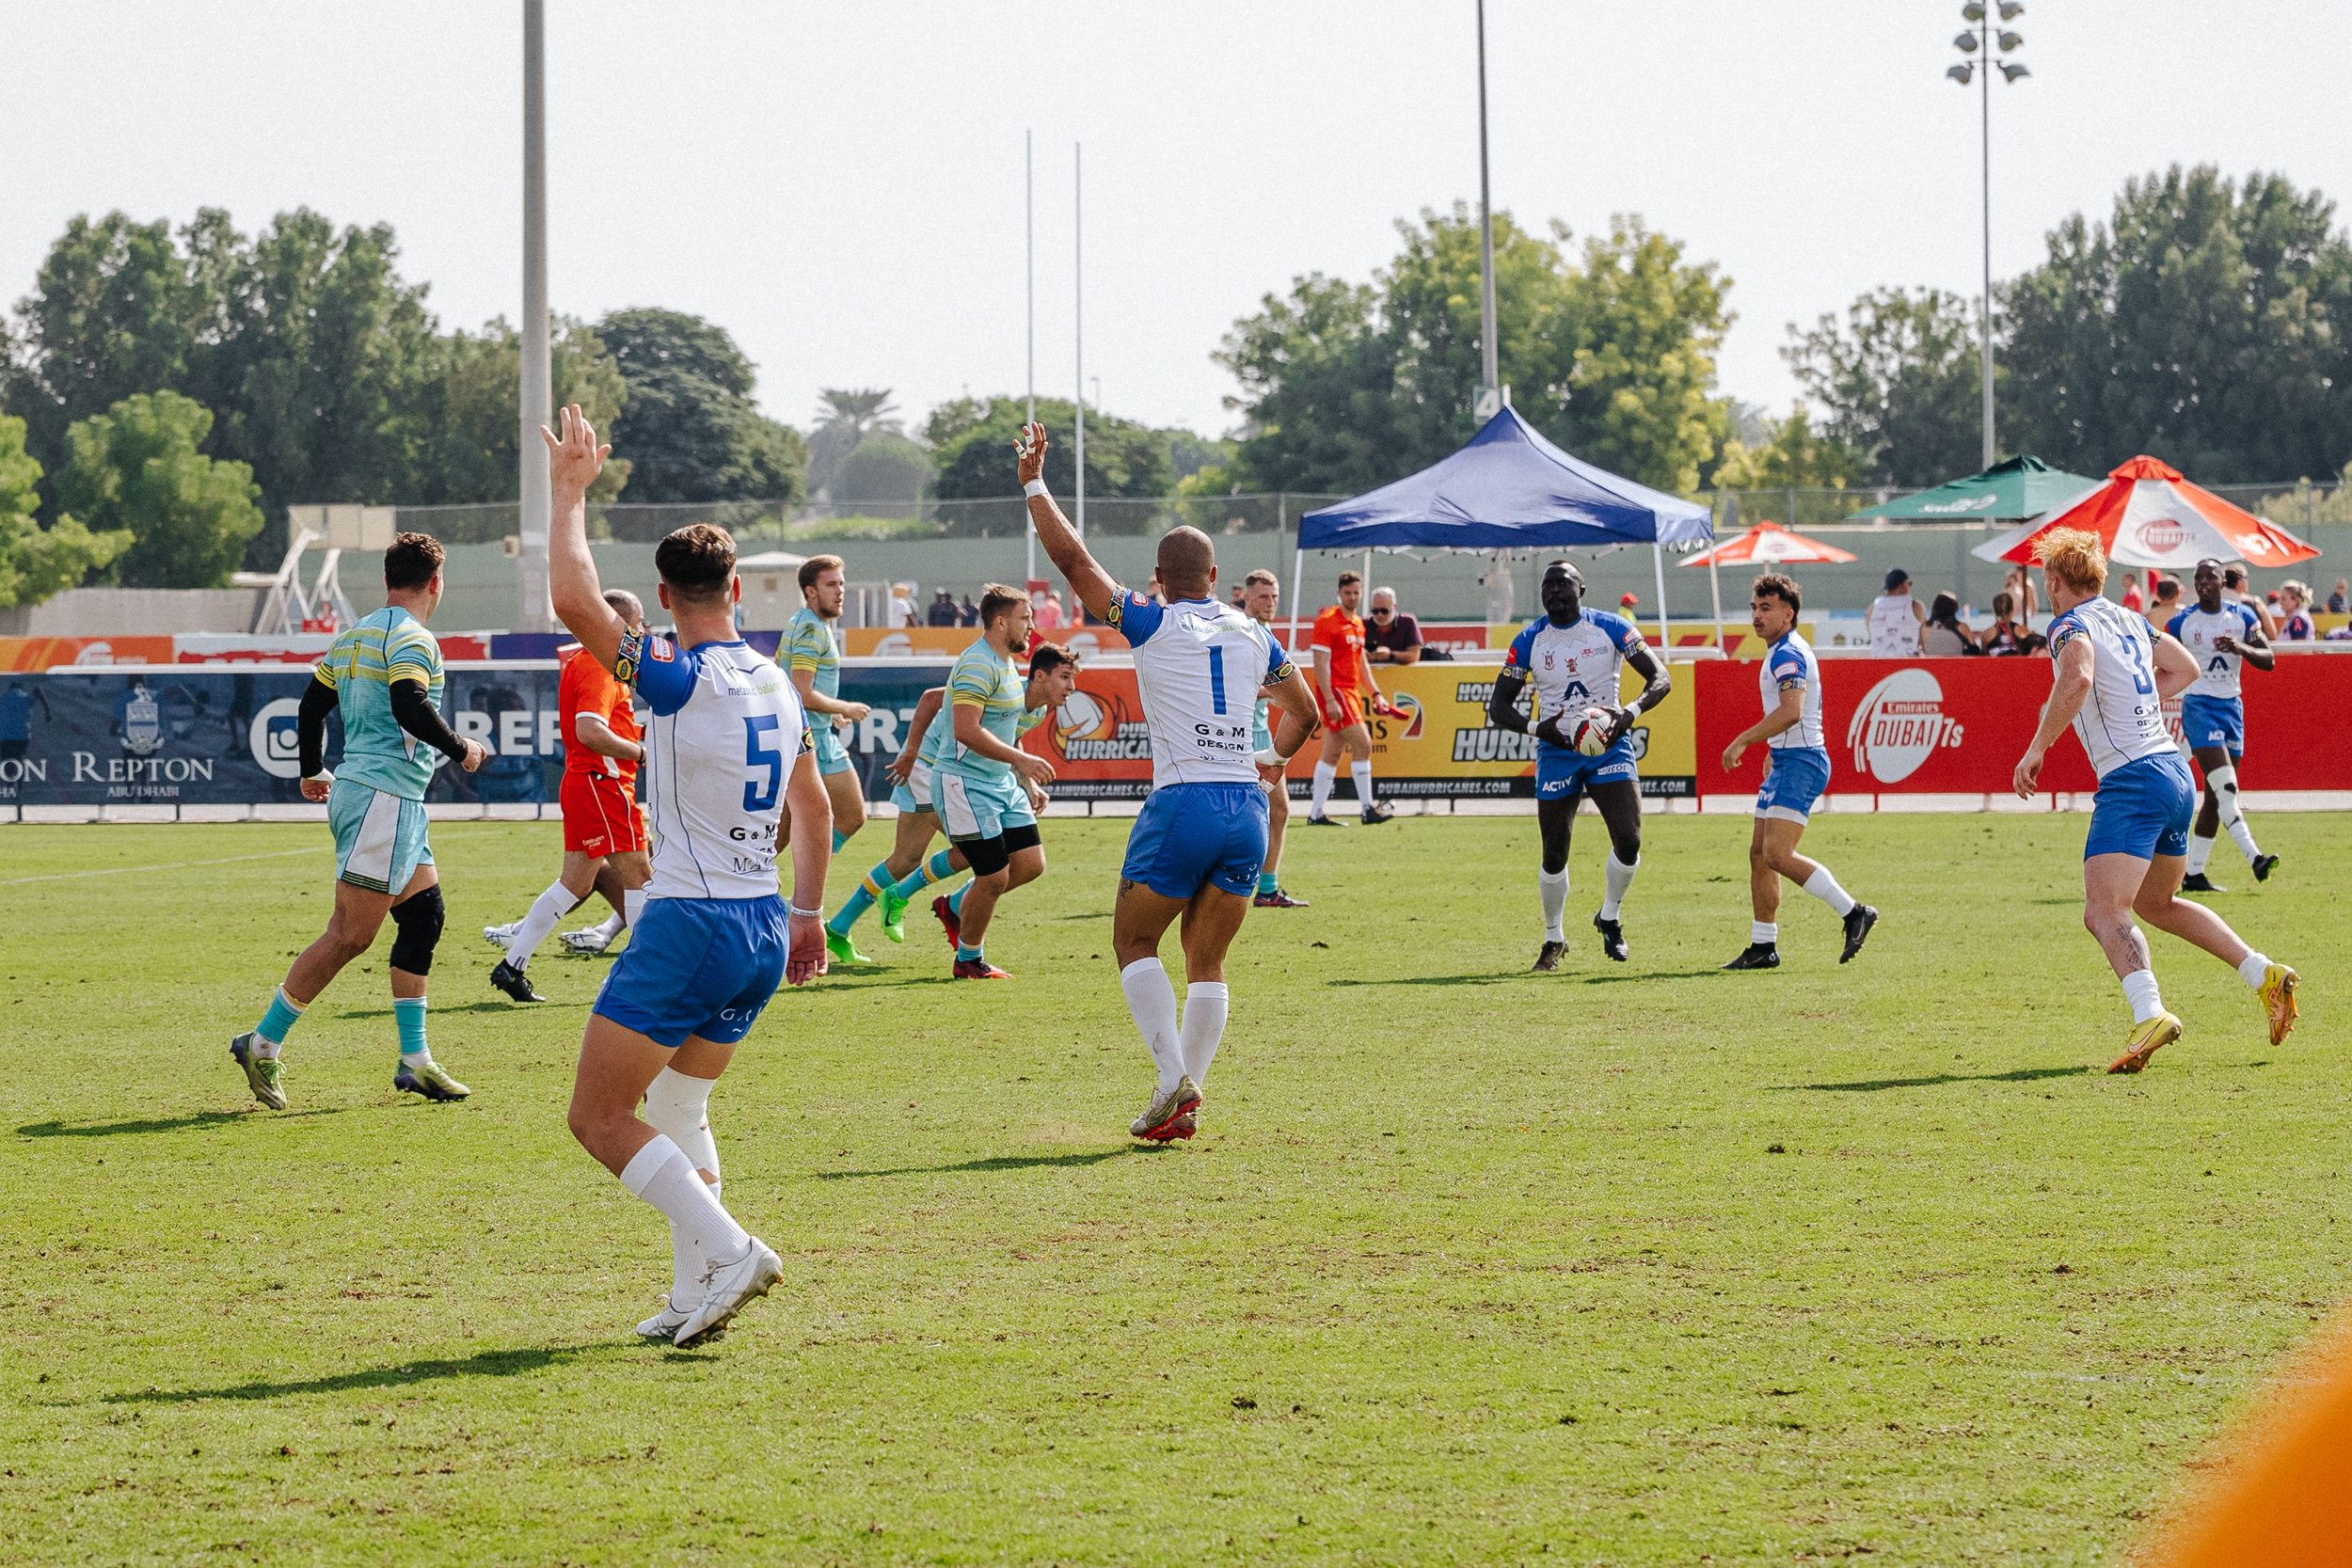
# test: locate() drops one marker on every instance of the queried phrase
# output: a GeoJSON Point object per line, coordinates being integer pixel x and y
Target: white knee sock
{"type": "Point", "coordinates": [2252, 967]}
{"type": "Point", "coordinates": [1326, 774]}
{"type": "Point", "coordinates": [1151, 1002]}
{"type": "Point", "coordinates": [662, 1175]}
{"type": "Point", "coordinates": [2223, 782]}
{"type": "Point", "coordinates": [633, 905]}
{"type": "Point", "coordinates": [1825, 887]}
{"type": "Point", "coordinates": [546, 910]}
{"type": "Point", "coordinates": [1206, 1003]}
{"type": "Point", "coordinates": [2199, 851]}
{"type": "Point", "coordinates": [678, 1108]}
{"type": "Point", "coordinates": [1361, 773]}
{"type": "Point", "coordinates": [609, 926]}
{"type": "Point", "coordinates": [1620, 878]}
{"type": "Point", "coordinates": [2140, 990]}
{"type": "Point", "coordinates": [1554, 886]}
{"type": "Point", "coordinates": [1764, 933]}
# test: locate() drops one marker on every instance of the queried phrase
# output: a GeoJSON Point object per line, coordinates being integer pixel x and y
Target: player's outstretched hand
{"type": "Point", "coordinates": [2028, 773]}
{"type": "Point", "coordinates": [807, 960]}
{"type": "Point", "coordinates": [476, 754]}
{"type": "Point", "coordinates": [1030, 448]}
{"type": "Point", "coordinates": [574, 458]}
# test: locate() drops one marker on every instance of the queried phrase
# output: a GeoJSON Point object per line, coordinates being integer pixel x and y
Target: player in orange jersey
{"type": "Point", "coordinates": [604, 829]}
{"type": "Point", "coordinates": [1341, 677]}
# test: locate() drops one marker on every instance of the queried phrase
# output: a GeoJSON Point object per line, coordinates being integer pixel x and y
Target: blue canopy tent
{"type": "Point", "coordinates": [1509, 489]}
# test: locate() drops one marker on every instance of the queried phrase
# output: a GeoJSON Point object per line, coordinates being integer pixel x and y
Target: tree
{"type": "Point", "coordinates": [688, 422]}
{"type": "Point", "coordinates": [2207, 322]}
{"type": "Point", "coordinates": [1792, 454]}
{"type": "Point", "coordinates": [36, 564]}
{"type": "Point", "coordinates": [1900, 381]}
{"type": "Point", "coordinates": [886, 470]}
{"type": "Point", "coordinates": [844, 420]}
{"type": "Point", "coordinates": [468, 411]}
{"type": "Point", "coordinates": [137, 467]}
{"type": "Point", "coordinates": [972, 443]}
{"type": "Point", "coordinates": [1643, 329]}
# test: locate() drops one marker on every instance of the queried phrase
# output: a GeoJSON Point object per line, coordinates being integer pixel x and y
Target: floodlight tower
{"type": "Point", "coordinates": [1491, 395]}
{"type": "Point", "coordinates": [1982, 36]}
{"type": "Point", "coordinates": [533, 612]}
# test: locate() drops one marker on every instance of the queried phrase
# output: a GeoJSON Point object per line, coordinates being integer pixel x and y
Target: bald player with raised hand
{"type": "Point", "coordinates": [1200, 839]}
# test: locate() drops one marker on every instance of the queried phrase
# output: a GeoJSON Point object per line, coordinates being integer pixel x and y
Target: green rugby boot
{"type": "Point", "coordinates": [264, 1075]}
{"type": "Point", "coordinates": [843, 951]}
{"type": "Point", "coordinates": [894, 914]}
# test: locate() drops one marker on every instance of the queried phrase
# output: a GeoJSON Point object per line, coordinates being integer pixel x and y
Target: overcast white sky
{"type": "Point", "coordinates": [841, 185]}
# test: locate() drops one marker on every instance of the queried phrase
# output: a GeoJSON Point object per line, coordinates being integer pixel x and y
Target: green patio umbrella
{"type": "Point", "coordinates": [2014, 491]}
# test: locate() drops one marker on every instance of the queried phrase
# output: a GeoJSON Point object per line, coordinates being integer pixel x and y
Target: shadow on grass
{"type": "Point", "coordinates": [1097, 914]}
{"type": "Point", "coordinates": [442, 1009]}
{"type": "Point", "coordinates": [1656, 975]}
{"type": "Point", "coordinates": [993, 1162]}
{"type": "Point", "coordinates": [492, 1363]}
{"type": "Point", "coordinates": [1493, 977]}
{"type": "Point", "coordinates": [175, 1124]}
{"type": "Point", "coordinates": [2023, 1075]}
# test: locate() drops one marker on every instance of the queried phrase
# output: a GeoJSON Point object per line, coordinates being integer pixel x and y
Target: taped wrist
{"type": "Point", "coordinates": [417, 922]}
{"type": "Point", "coordinates": [413, 711]}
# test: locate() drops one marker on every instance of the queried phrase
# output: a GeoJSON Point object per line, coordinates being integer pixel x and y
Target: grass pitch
{"type": "Point", "coordinates": [1632, 1264]}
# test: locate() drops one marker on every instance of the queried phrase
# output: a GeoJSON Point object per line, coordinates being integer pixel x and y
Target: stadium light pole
{"type": "Point", "coordinates": [1490, 393]}
{"type": "Point", "coordinates": [1981, 35]}
{"type": "Point", "coordinates": [533, 609]}
{"type": "Point", "coordinates": [1078, 298]}
{"type": "Point", "coordinates": [1028, 208]}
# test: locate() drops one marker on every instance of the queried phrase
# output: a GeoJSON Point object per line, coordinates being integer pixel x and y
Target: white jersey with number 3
{"type": "Point", "coordinates": [1200, 665]}
{"type": "Point", "coordinates": [725, 728]}
{"type": "Point", "coordinates": [2121, 717]}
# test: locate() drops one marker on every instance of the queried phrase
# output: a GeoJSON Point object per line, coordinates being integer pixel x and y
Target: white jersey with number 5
{"type": "Point", "coordinates": [1200, 665]}
{"type": "Point", "coordinates": [725, 728]}
{"type": "Point", "coordinates": [2123, 718]}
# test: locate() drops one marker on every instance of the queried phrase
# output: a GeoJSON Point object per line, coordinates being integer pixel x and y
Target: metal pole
{"type": "Point", "coordinates": [1029, 200]}
{"type": "Point", "coordinates": [1658, 563]}
{"type": "Point", "coordinates": [1490, 355]}
{"type": "Point", "coordinates": [533, 612]}
{"type": "Point", "coordinates": [1078, 225]}
{"type": "Point", "coordinates": [1986, 326]}
{"type": "Point", "coordinates": [1281, 526]}
{"type": "Point", "coordinates": [1714, 574]}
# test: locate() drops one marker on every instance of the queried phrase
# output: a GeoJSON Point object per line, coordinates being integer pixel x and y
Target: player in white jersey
{"type": "Point", "coordinates": [726, 746]}
{"type": "Point", "coordinates": [1201, 838]}
{"type": "Point", "coordinates": [2219, 635]}
{"type": "Point", "coordinates": [1572, 655]}
{"type": "Point", "coordinates": [1797, 773]}
{"type": "Point", "coordinates": [2112, 677]}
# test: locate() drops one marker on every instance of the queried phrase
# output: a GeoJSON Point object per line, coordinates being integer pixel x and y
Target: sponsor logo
{"type": "Point", "coordinates": [658, 650]}
{"type": "Point", "coordinates": [1899, 725]}
{"type": "Point", "coordinates": [1946, 509]}
{"type": "Point", "coordinates": [276, 745]}
{"type": "Point", "coordinates": [142, 724]}
{"type": "Point", "coordinates": [2162, 535]}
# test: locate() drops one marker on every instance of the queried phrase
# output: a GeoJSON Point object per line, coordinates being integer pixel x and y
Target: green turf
{"type": "Point", "coordinates": [1467, 1263]}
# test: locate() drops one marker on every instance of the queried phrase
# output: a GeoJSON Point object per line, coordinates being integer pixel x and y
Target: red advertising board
{"type": "Point", "coordinates": [1957, 726]}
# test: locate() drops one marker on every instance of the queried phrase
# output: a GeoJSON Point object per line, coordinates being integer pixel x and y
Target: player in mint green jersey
{"type": "Point", "coordinates": [812, 654]}
{"type": "Point", "coordinates": [385, 674]}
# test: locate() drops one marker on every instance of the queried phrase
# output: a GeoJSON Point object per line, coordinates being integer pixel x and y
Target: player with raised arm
{"type": "Point", "coordinates": [2109, 680]}
{"type": "Point", "coordinates": [1797, 773]}
{"type": "Point", "coordinates": [727, 745]}
{"type": "Point", "coordinates": [812, 646]}
{"type": "Point", "coordinates": [982, 786]}
{"type": "Point", "coordinates": [604, 830]}
{"type": "Point", "coordinates": [385, 676]}
{"type": "Point", "coordinates": [1572, 657]}
{"type": "Point", "coordinates": [2219, 634]}
{"type": "Point", "coordinates": [1341, 677]}
{"type": "Point", "coordinates": [1261, 599]}
{"type": "Point", "coordinates": [1201, 837]}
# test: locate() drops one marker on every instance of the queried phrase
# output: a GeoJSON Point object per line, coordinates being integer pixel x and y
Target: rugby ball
{"type": "Point", "coordinates": [1590, 731]}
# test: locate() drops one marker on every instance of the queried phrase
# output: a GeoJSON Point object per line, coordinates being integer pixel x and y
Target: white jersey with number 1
{"type": "Point", "coordinates": [1199, 664]}
{"type": "Point", "coordinates": [725, 728]}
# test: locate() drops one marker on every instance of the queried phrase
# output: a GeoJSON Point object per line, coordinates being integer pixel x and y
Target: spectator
{"type": "Point", "coordinates": [2342, 597]}
{"type": "Point", "coordinates": [1049, 610]}
{"type": "Point", "coordinates": [1940, 635]}
{"type": "Point", "coordinates": [902, 605]}
{"type": "Point", "coordinates": [2234, 591]}
{"type": "Point", "coordinates": [943, 611]}
{"type": "Point", "coordinates": [1392, 637]}
{"type": "Point", "coordinates": [970, 614]}
{"type": "Point", "coordinates": [2019, 584]}
{"type": "Point", "coordinates": [2132, 601]}
{"type": "Point", "coordinates": [2296, 624]}
{"type": "Point", "coordinates": [1895, 619]}
{"type": "Point", "coordinates": [2006, 637]}
{"type": "Point", "coordinates": [2168, 602]}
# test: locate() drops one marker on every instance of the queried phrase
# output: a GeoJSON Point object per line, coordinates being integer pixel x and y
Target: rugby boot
{"type": "Point", "coordinates": [590, 941]}
{"type": "Point", "coordinates": [1278, 899]}
{"type": "Point", "coordinates": [431, 1080]}
{"type": "Point", "coordinates": [843, 950]}
{"type": "Point", "coordinates": [266, 1078]}
{"type": "Point", "coordinates": [665, 1324]}
{"type": "Point", "coordinates": [2145, 1041]}
{"type": "Point", "coordinates": [2277, 1000]}
{"type": "Point", "coordinates": [1377, 813]}
{"type": "Point", "coordinates": [1613, 938]}
{"type": "Point", "coordinates": [1168, 1106]}
{"type": "Point", "coordinates": [1858, 923]}
{"type": "Point", "coordinates": [894, 914]}
{"type": "Point", "coordinates": [2263, 865]}
{"type": "Point", "coordinates": [1757, 955]}
{"type": "Point", "coordinates": [1547, 962]}
{"type": "Point", "coordinates": [977, 969]}
{"type": "Point", "coordinates": [727, 1289]}
{"type": "Point", "coordinates": [514, 982]}
{"type": "Point", "coordinates": [949, 921]}
{"type": "Point", "coordinates": [2197, 882]}
{"type": "Point", "coordinates": [498, 935]}
{"type": "Point", "coordinates": [1316, 819]}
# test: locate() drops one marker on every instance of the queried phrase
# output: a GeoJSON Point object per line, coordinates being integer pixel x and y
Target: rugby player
{"type": "Point", "coordinates": [1572, 655]}
{"type": "Point", "coordinates": [1260, 598]}
{"type": "Point", "coordinates": [979, 784]}
{"type": "Point", "coordinates": [2110, 680]}
{"type": "Point", "coordinates": [1341, 676]}
{"type": "Point", "coordinates": [894, 882]}
{"type": "Point", "coordinates": [812, 642]}
{"type": "Point", "coordinates": [1797, 773]}
{"type": "Point", "coordinates": [729, 744]}
{"type": "Point", "coordinates": [604, 832]}
{"type": "Point", "coordinates": [1199, 840]}
{"type": "Point", "coordinates": [385, 676]}
{"type": "Point", "coordinates": [2220, 635]}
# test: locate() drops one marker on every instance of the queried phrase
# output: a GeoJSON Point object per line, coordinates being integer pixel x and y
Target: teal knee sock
{"type": "Point", "coordinates": [839, 838]}
{"type": "Point", "coordinates": [282, 1015]}
{"type": "Point", "coordinates": [1268, 883]}
{"type": "Point", "coordinates": [955, 899]}
{"type": "Point", "coordinates": [965, 954]}
{"type": "Point", "coordinates": [409, 1011]}
{"type": "Point", "coordinates": [861, 898]}
{"type": "Point", "coordinates": [936, 869]}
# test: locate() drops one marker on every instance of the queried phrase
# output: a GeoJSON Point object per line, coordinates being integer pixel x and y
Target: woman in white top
{"type": "Point", "coordinates": [1895, 618]}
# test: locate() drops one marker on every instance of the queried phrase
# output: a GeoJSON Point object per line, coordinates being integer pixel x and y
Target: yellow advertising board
{"type": "Point", "coordinates": [1444, 745]}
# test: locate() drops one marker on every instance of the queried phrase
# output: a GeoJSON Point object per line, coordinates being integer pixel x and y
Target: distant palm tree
{"type": "Point", "coordinates": [845, 418]}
